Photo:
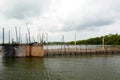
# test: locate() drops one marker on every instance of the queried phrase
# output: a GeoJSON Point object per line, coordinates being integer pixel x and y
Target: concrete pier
{"type": "Point", "coordinates": [22, 50]}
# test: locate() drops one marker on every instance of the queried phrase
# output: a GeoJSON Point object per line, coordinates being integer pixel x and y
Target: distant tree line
{"type": "Point", "coordinates": [110, 39]}
{"type": "Point", "coordinates": [56, 43]}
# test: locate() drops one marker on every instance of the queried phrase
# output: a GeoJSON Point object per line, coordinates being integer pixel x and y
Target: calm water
{"type": "Point", "coordinates": [61, 68]}
{"type": "Point", "coordinates": [72, 46]}
{"type": "Point", "coordinates": [78, 46]}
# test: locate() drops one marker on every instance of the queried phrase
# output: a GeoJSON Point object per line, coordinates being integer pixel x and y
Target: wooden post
{"type": "Point", "coordinates": [63, 44]}
{"type": "Point", "coordinates": [9, 36]}
{"type": "Point", "coordinates": [26, 39]}
{"type": "Point", "coordinates": [16, 34]}
{"type": "Point", "coordinates": [75, 41]}
{"type": "Point", "coordinates": [47, 42]}
{"type": "Point", "coordinates": [19, 35]}
{"type": "Point", "coordinates": [37, 37]}
{"type": "Point", "coordinates": [42, 38]}
{"type": "Point", "coordinates": [3, 36]}
{"type": "Point", "coordinates": [29, 35]}
{"type": "Point", "coordinates": [75, 38]}
{"type": "Point", "coordinates": [103, 42]}
{"type": "Point", "coordinates": [28, 32]}
{"type": "Point", "coordinates": [86, 49]}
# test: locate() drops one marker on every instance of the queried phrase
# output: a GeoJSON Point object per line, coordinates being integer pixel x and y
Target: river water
{"type": "Point", "coordinates": [95, 67]}
{"type": "Point", "coordinates": [73, 46]}
{"type": "Point", "coordinates": [78, 46]}
{"type": "Point", "coordinates": [61, 68]}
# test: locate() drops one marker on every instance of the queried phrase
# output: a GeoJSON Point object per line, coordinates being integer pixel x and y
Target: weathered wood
{"type": "Point", "coordinates": [81, 51]}
{"type": "Point", "coordinates": [3, 36]}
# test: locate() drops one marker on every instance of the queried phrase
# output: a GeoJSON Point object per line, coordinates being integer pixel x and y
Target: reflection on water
{"type": "Point", "coordinates": [73, 46]}
{"type": "Point", "coordinates": [61, 68]}
{"type": "Point", "coordinates": [78, 46]}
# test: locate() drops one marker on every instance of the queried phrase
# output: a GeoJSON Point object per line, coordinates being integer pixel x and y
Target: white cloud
{"type": "Point", "coordinates": [89, 18]}
{"type": "Point", "coordinates": [20, 9]}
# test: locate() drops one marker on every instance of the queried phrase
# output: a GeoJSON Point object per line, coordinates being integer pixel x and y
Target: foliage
{"type": "Point", "coordinates": [111, 39]}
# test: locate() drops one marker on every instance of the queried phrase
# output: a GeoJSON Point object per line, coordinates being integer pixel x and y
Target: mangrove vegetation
{"type": "Point", "coordinates": [110, 39]}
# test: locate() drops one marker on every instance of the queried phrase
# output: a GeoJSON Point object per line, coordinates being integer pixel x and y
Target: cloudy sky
{"type": "Point", "coordinates": [88, 18]}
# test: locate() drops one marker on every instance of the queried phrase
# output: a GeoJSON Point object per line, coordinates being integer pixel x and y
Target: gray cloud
{"type": "Point", "coordinates": [20, 9]}
{"type": "Point", "coordinates": [60, 16]}
{"type": "Point", "coordinates": [93, 15]}
{"type": "Point", "coordinates": [78, 26]}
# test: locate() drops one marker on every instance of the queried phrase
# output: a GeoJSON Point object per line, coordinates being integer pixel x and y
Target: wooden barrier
{"type": "Point", "coordinates": [64, 52]}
